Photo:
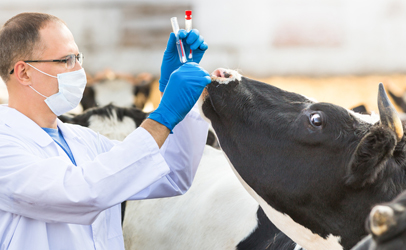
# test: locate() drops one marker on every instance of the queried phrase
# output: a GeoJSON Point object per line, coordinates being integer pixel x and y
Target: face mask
{"type": "Point", "coordinates": [71, 86]}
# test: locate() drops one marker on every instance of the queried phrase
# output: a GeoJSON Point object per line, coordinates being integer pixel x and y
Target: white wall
{"type": "Point", "coordinates": [259, 37]}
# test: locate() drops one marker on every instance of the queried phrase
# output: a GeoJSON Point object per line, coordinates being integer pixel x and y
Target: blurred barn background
{"type": "Point", "coordinates": [331, 50]}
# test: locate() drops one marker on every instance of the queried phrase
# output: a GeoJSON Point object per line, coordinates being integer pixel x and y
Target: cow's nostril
{"type": "Point", "coordinates": [220, 72]}
{"type": "Point", "coordinates": [217, 73]}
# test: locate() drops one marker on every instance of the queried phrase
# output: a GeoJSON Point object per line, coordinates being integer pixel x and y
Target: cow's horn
{"type": "Point", "coordinates": [381, 219]}
{"type": "Point", "coordinates": [388, 115]}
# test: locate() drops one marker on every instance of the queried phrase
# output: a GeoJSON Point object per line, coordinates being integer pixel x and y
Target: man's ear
{"type": "Point", "coordinates": [370, 156]}
{"type": "Point", "coordinates": [21, 73]}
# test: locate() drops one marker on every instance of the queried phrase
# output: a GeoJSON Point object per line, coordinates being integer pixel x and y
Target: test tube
{"type": "Point", "coordinates": [179, 44]}
{"type": "Point", "coordinates": [188, 26]}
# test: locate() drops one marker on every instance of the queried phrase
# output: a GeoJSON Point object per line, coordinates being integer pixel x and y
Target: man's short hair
{"type": "Point", "coordinates": [20, 39]}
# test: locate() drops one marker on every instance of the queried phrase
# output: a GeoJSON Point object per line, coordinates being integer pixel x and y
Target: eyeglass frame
{"type": "Point", "coordinates": [79, 57]}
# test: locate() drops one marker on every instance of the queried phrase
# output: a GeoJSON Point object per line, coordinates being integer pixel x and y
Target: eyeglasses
{"type": "Point", "coordinates": [70, 61]}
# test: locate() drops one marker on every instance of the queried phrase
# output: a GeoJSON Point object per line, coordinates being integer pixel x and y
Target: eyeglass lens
{"type": "Point", "coordinates": [71, 61]}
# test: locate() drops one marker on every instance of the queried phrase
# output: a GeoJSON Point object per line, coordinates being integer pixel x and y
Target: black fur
{"type": "Point", "coordinates": [370, 155]}
{"type": "Point", "coordinates": [360, 109]}
{"type": "Point", "coordinates": [89, 98]}
{"type": "Point", "coordinates": [266, 236]}
{"type": "Point", "coordinates": [399, 101]}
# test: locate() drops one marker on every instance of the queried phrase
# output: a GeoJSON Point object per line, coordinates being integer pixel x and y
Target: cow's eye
{"type": "Point", "coordinates": [316, 120]}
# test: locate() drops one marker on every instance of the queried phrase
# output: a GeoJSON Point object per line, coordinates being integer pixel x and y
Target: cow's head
{"type": "Point", "coordinates": [322, 165]}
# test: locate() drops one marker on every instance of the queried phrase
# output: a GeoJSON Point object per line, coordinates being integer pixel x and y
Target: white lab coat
{"type": "Point", "coordinates": [47, 203]}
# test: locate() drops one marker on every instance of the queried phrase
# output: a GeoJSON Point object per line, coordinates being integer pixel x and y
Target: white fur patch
{"type": "Point", "coordinates": [233, 75]}
{"type": "Point", "coordinates": [298, 247]}
{"type": "Point", "coordinates": [372, 118]}
{"type": "Point", "coordinates": [112, 127]}
{"type": "Point", "coordinates": [298, 233]}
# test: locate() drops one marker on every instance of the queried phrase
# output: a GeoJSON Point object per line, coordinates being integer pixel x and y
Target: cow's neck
{"type": "Point", "coordinates": [298, 233]}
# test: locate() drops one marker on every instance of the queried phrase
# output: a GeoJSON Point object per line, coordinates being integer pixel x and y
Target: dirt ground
{"type": "Point", "coordinates": [346, 91]}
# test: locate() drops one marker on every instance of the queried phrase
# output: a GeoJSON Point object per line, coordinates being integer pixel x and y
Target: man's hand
{"type": "Point", "coordinates": [170, 62]}
{"type": "Point", "coordinates": [184, 88]}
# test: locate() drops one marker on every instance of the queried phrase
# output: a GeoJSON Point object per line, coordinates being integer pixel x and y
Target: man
{"type": "Point", "coordinates": [61, 185]}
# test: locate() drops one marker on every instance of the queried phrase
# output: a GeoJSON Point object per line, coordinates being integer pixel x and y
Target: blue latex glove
{"type": "Point", "coordinates": [192, 40]}
{"type": "Point", "coordinates": [184, 89]}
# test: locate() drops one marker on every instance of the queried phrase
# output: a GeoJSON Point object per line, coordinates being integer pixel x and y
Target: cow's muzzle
{"type": "Point", "coordinates": [224, 76]}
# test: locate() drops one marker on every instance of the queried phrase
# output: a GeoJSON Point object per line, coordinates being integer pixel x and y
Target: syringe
{"type": "Point", "coordinates": [179, 44]}
{"type": "Point", "coordinates": [188, 26]}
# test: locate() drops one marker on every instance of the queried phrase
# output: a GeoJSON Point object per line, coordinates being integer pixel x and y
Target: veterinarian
{"type": "Point", "coordinates": [61, 185]}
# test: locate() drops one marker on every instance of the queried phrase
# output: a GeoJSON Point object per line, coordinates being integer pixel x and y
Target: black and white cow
{"type": "Point", "coordinates": [387, 226]}
{"type": "Point", "coordinates": [216, 213]}
{"type": "Point", "coordinates": [315, 168]}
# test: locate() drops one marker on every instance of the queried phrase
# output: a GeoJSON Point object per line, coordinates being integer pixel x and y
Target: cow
{"type": "Point", "coordinates": [216, 213]}
{"type": "Point", "coordinates": [386, 225]}
{"type": "Point", "coordinates": [315, 168]}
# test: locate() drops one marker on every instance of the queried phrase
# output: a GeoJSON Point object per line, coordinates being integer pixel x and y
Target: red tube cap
{"type": "Point", "coordinates": [188, 14]}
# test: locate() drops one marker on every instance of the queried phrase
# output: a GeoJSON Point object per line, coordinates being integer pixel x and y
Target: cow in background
{"type": "Point", "coordinates": [386, 225]}
{"type": "Point", "coordinates": [315, 168]}
{"type": "Point", "coordinates": [124, 90]}
{"type": "Point", "coordinates": [216, 212]}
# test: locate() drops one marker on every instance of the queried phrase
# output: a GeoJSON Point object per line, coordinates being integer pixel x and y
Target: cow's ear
{"type": "Point", "coordinates": [370, 156]}
{"type": "Point", "coordinates": [376, 146]}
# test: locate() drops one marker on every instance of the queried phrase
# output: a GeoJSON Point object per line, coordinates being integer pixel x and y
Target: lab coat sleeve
{"type": "Point", "coordinates": [182, 152]}
{"type": "Point", "coordinates": [52, 189]}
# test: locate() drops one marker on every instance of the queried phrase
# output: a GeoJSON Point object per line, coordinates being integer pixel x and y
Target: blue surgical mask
{"type": "Point", "coordinates": [71, 86]}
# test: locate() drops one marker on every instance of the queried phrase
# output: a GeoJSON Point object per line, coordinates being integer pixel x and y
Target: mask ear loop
{"type": "Point", "coordinates": [37, 91]}
{"type": "Point", "coordinates": [42, 71]}
{"type": "Point", "coordinates": [44, 74]}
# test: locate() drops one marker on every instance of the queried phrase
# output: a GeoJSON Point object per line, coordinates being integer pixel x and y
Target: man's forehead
{"type": "Point", "coordinates": [57, 40]}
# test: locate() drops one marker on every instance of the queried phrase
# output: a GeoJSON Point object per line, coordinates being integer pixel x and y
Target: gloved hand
{"type": "Point", "coordinates": [184, 89]}
{"type": "Point", "coordinates": [171, 62]}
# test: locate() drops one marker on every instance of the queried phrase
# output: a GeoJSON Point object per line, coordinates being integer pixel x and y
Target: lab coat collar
{"type": "Point", "coordinates": [76, 142]}
{"type": "Point", "coordinates": [24, 126]}
{"type": "Point", "coordinates": [66, 130]}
